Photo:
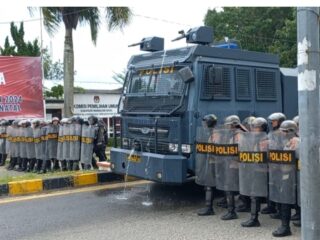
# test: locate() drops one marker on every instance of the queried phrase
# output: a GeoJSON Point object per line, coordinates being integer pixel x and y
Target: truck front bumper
{"type": "Point", "coordinates": [150, 166]}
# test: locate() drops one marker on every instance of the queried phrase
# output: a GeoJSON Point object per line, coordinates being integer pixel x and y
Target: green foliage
{"type": "Point", "coordinates": [52, 70]}
{"type": "Point", "coordinates": [269, 29]}
{"type": "Point", "coordinates": [20, 47]}
{"type": "Point", "coordinates": [57, 91]}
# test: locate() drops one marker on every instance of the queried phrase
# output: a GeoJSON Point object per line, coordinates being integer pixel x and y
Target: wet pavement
{"type": "Point", "coordinates": [150, 211]}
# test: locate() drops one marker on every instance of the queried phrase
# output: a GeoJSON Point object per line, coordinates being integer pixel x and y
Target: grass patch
{"type": "Point", "coordinates": [29, 176]}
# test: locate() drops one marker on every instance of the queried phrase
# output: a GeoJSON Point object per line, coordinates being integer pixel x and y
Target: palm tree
{"type": "Point", "coordinates": [117, 17]}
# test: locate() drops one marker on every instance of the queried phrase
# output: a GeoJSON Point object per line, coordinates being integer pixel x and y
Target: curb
{"type": "Point", "coordinates": [39, 185]}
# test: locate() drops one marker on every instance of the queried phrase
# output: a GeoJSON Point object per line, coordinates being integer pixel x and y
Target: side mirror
{"type": "Point", "coordinates": [186, 74]}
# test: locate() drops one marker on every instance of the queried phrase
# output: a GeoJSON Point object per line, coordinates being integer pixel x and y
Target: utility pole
{"type": "Point", "coordinates": [309, 119]}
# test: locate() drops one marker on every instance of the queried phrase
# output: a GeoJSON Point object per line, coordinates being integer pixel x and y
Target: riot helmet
{"type": "Point", "coordinates": [247, 122]}
{"type": "Point", "coordinates": [92, 120]}
{"type": "Point", "coordinates": [276, 119]}
{"type": "Point", "coordinates": [259, 124]}
{"type": "Point", "coordinates": [210, 120]}
{"type": "Point", "coordinates": [232, 120]}
{"type": "Point", "coordinates": [36, 123]}
{"type": "Point", "coordinates": [296, 120]}
{"type": "Point", "coordinates": [289, 128]}
{"type": "Point", "coordinates": [55, 119]}
{"type": "Point", "coordinates": [28, 123]}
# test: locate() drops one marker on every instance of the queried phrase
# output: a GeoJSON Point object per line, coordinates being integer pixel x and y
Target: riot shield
{"type": "Point", "coordinates": [52, 142]}
{"type": "Point", "coordinates": [60, 144]}
{"type": "Point", "coordinates": [44, 139]}
{"type": "Point", "coordinates": [37, 142]}
{"type": "Point", "coordinates": [23, 144]}
{"type": "Point", "coordinates": [12, 133]}
{"type": "Point", "coordinates": [8, 129]}
{"type": "Point", "coordinates": [298, 183]}
{"type": "Point", "coordinates": [87, 137]}
{"type": "Point", "coordinates": [282, 169]}
{"type": "Point", "coordinates": [66, 142]}
{"type": "Point", "coordinates": [253, 168]}
{"type": "Point", "coordinates": [75, 135]}
{"type": "Point", "coordinates": [226, 156]}
{"type": "Point", "coordinates": [29, 141]}
{"type": "Point", "coordinates": [3, 137]}
{"type": "Point", "coordinates": [205, 164]}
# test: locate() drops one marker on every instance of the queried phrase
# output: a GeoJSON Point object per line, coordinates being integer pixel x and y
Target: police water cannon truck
{"type": "Point", "coordinates": [167, 92]}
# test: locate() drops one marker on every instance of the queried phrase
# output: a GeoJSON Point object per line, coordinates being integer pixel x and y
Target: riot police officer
{"type": "Point", "coordinates": [227, 165]}
{"type": "Point", "coordinates": [100, 140]}
{"type": "Point", "coordinates": [253, 171]}
{"type": "Point", "coordinates": [245, 200]}
{"type": "Point", "coordinates": [75, 143]}
{"type": "Point", "coordinates": [205, 166]}
{"type": "Point", "coordinates": [52, 143]}
{"type": "Point", "coordinates": [274, 120]}
{"type": "Point", "coordinates": [296, 217]}
{"type": "Point", "coordinates": [14, 149]}
{"type": "Point", "coordinates": [282, 173]}
{"type": "Point", "coordinates": [3, 142]}
{"type": "Point", "coordinates": [88, 134]}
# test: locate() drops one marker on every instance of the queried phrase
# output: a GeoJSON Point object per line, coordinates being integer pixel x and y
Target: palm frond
{"type": "Point", "coordinates": [118, 17]}
{"type": "Point", "coordinates": [52, 17]}
{"type": "Point", "coordinates": [91, 15]}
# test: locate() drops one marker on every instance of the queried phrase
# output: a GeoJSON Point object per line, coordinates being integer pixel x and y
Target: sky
{"type": "Point", "coordinates": [95, 65]}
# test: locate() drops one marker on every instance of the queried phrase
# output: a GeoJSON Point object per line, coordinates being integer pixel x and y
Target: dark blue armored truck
{"type": "Point", "coordinates": [166, 94]}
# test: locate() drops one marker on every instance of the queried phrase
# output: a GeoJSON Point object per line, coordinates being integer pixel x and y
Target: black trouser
{"type": "Point", "coordinates": [255, 207]}
{"type": "Point", "coordinates": [32, 163]}
{"type": "Point", "coordinates": [39, 165]}
{"type": "Point", "coordinates": [100, 151]}
{"type": "Point", "coordinates": [3, 158]}
{"type": "Point", "coordinates": [285, 212]}
{"type": "Point", "coordinates": [231, 201]}
{"type": "Point", "coordinates": [55, 164]}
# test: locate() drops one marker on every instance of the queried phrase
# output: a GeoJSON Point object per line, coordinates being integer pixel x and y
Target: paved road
{"type": "Point", "coordinates": [110, 214]}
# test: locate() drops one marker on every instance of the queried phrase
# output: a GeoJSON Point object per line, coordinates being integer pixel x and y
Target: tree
{"type": "Point", "coordinates": [52, 70]}
{"type": "Point", "coordinates": [20, 47]}
{"type": "Point", "coordinates": [117, 17]}
{"type": "Point", "coordinates": [57, 91]}
{"type": "Point", "coordinates": [260, 29]}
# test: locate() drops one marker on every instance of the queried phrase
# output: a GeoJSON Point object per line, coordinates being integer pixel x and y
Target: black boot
{"type": "Point", "coordinates": [12, 164]}
{"type": "Point", "coordinates": [75, 166]}
{"type": "Point", "coordinates": [38, 166]}
{"type": "Point", "coordinates": [19, 162]}
{"type": "Point", "coordinates": [31, 165]}
{"type": "Point", "coordinates": [231, 214]}
{"type": "Point", "coordinates": [284, 229]}
{"type": "Point", "coordinates": [208, 210]}
{"type": "Point", "coordinates": [56, 166]}
{"type": "Point", "coordinates": [296, 216]}
{"type": "Point", "coordinates": [255, 208]}
{"type": "Point", "coordinates": [70, 165]}
{"type": "Point", "coordinates": [1, 161]}
{"type": "Point", "coordinates": [297, 223]}
{"type": "Point", "coordinates": [64, 165]}
{"type": "Point", "coordinates": [4, 158]}
{"type": "Point", "coordinates": [94, 164]}
{"type": "Point", "coordinates": [270, 208]}
{"type": "Point", "coordinates": [25, 162]}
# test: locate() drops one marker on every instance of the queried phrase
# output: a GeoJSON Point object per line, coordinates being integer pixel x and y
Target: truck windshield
{"type": "Point", "coordinates": [156, 82]}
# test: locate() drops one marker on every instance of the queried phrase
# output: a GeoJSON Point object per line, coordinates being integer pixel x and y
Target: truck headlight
{"type": "Point", "coordinates": [125, 142]}
{"type": "Point", "coordinates": [173, 147]}
{"type": "Point", "coordinates": [186, 148]}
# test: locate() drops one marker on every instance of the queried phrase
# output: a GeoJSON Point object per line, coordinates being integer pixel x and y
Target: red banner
{"type": "Point", "coordinates": [21, 87]}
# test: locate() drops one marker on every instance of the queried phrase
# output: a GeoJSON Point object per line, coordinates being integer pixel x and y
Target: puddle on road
{"type": "Point", "coordinates": [156, 196]}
